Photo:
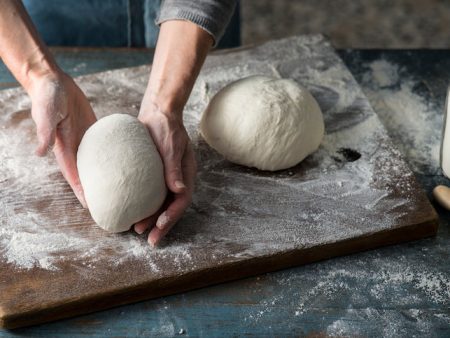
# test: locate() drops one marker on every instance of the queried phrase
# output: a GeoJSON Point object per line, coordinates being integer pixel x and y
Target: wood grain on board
{"type": "Point", "coordinates": [355, 193]}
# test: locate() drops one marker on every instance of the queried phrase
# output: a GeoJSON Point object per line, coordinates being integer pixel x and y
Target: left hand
{"type": "Point", "coordinates": [174, 146]}
{"type": "Point", "coordinates": [62, 115]}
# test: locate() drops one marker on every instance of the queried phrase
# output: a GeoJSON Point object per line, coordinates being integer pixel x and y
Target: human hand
{"type": "Point", "coordinates": [174, 146]}
{"type": "Point", "coordinates": [62, 115]}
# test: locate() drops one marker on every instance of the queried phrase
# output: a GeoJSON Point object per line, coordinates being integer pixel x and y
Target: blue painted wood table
{"type": "Point", "coordinates": [398, 291]}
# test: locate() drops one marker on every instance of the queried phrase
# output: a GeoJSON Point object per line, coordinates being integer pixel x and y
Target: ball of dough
{"type": "Point", "coordinates": [121, 172]}
{"type": "Point", "coordinates": [263, 122]}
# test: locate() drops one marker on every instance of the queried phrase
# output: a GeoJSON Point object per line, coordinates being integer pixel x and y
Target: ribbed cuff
{"type": "Point", "coordinates": [208, 25]}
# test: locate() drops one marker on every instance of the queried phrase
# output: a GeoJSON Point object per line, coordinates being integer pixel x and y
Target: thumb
{"type": "Point", "coordinates": [173, 174]}
{"type": "Point", "coordinates": [68, 164]}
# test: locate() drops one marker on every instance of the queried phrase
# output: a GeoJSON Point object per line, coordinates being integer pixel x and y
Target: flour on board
{"type": "Point", "coordinates": [237, 212]}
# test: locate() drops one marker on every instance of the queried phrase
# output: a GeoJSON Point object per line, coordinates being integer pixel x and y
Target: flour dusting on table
{"type": "Point", "coordinates": [405, 293]}
{"type": "Point", "coordinates": [405, 113]}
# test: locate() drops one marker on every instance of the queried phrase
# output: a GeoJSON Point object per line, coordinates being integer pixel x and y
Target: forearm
{"type": "Point", "coordinates": [21, 49]}
{"type": "Point", "coordinates": [212, 15]}
{"type": "Point", "coordinates": [180, 52]}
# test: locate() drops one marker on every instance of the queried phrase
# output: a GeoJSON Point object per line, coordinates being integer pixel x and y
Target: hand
{"type": "Point", "coordinates": [180, 51]}
{"type": "Point", "coordinates": [62, 115]}
{"type": "Point", "coordinates": [174, 146]}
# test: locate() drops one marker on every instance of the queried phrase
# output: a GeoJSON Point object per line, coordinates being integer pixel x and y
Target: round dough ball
{"type": "Point", "coordinates": [263, 122]}
{"type": "Point", "coordinates": [121, 172]}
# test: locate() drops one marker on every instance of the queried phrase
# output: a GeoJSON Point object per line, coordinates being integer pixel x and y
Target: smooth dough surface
{"type": "Point", "coordinates": [263, 122]}
{"type": "Point", "coordinates": [121, 172]}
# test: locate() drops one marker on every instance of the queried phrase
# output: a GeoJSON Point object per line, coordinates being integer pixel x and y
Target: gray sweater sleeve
{"type": "Point", "coordinates": [211, 15]}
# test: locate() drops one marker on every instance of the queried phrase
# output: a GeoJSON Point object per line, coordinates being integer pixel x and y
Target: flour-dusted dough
{"type": "Point", "coordinates": [121, 172]}
{"type": "Point", "coordinates": [263, 122]}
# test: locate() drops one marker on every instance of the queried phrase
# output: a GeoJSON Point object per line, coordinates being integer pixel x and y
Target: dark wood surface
{"type": "Point", "coordinates": [320, 252]}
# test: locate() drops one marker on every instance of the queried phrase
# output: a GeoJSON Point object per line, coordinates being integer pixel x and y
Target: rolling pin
{"type": "Point", "coordinates": [442, 193]}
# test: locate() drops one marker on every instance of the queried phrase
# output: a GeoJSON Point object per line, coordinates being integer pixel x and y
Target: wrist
{"type": "Point", "coordinates": [163, 104]}
{"type": "Point", "coordinates": [37, 68]}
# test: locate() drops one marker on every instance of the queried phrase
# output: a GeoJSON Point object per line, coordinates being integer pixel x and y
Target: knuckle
{"type": "Point", "coordinates": [174, 172]}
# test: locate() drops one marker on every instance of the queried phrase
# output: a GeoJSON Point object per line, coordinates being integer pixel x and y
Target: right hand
{"type": "Point", "coordinates": [174, 146]}
{"type": "Point", "coordinates": [62, 115]}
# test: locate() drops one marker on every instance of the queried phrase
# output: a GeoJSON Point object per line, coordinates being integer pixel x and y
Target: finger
{"type": "Point", "coordinates": [155, 236]}
{"type": "Point", "coordinates": [68, 165]}
{"type": "Point", "coordinates": [169, 218]}
{"type": "Point", "coordinates": [177, 207]}
{"type": "Point", "coordinates": [181, 201]}
{"type": "Point", "coordinates": [46, 135]}
{"type": "Point", "coordinates": [141, 226]}
{"type": "Point", "coordinates": [189, 165]}
{"type": "Point", "coordinates": [172, 172]}
{"type": "Point", "coordinates": [150, 221]}
{"type": "Point", "coordinates": [46, 140]}
{"type": "Point", "coordinates": [174, 211]}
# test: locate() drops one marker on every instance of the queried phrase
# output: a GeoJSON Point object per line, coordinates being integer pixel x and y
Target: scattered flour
{"type": "Point", "coordinates": [339, 328]}
{"type": "Point", "coordinates": [325, 199]}
{"type": "Point", "coordinates": [384, 74]}
{"type": "Point", "coordinates": [405, 114]}
{"type": "Point", "coordinates": [41, 247]}
{"type": "Point", "coordinates": [400, 296]}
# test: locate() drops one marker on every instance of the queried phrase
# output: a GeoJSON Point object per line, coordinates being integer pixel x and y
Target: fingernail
{"type": "Point", "coordinates": [83, 204]}
{"type": "Point", "coordinates": [139, 229]}
{"type": "Point", "coordinates": [80, 200]}
{"type": "Point", "coordinates": [162, 221]}
{"type": "Point", "coordinates": [179, 185]}
{"type": "Point", "coordinates": [38, 152]}
{"type": "Point", "coordinates": [79, 195]}
{"type": "Point", "coordinates": [152, 244]}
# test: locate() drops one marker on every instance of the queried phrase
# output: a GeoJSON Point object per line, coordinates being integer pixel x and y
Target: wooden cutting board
{"type": "Point", "coordinates": [355, 193]}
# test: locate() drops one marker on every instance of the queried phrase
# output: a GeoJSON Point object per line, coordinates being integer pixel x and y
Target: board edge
{"type": "Point", "coordinates": [229, 272]}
